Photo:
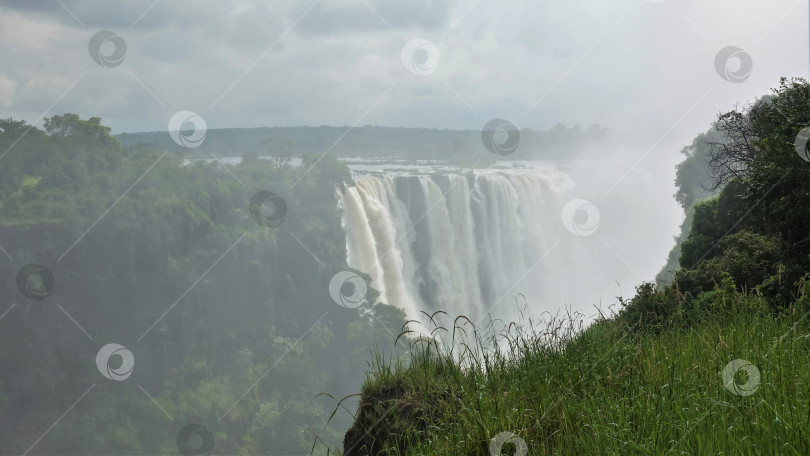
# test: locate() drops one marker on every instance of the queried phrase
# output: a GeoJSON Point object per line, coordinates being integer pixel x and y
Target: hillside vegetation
{"type": "Point", "coordinates": [168, 261]}
{"type": "Point", "coordinates": [715, 362]}
{"type": "Point", "coordinates": [557, 143]}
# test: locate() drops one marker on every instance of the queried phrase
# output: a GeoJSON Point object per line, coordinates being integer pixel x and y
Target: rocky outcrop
{"type": "Point", "coordinates": [391, 417]}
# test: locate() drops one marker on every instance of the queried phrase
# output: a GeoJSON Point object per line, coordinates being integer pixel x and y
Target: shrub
{"type": "Point", "coordinates": [651, 308]}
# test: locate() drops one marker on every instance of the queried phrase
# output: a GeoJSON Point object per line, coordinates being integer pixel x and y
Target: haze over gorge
{"type": "Point", "coordinates": [386, 228]}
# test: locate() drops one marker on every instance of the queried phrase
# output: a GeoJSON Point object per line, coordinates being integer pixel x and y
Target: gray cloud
{"type": "Point", "coordinates": [329, 19]}
{"type": "Point", "coordinates": [617, 63]}
{"type": "Point", "coordinates": [96, 14]}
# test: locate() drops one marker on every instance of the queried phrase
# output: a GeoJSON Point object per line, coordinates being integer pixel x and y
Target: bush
{"type": "Point", "coordinates": [651, 308]}
{"type": "Point", "coordinates": [747, 257]}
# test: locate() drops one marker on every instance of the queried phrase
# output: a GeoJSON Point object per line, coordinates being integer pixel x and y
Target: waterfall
{"type": "Point", "coordinates": [458, 242]}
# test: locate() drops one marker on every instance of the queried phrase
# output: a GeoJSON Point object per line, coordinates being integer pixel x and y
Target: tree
{"type": "Point", "coordinates": [758, 226]}
{"type": "Point", "coordinates": [9, 126]}
{"type": "Point", "coordinates": [72, 124]}
{"type": "Point", "coordinates": [692, 175]}
{"type": "Point", "coordinates": [731, 155]}
{"type": "Point", "coordinates": [280, 150]}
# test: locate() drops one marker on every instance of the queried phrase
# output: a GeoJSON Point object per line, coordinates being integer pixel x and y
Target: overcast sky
{"type": "Point", "coordinates": [638, 66]}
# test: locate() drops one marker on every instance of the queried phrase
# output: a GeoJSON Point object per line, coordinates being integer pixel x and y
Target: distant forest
{"type": "Point", "coordinates": [560, 143]}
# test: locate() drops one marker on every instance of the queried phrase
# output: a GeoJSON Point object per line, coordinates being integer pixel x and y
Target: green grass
{"type": "Point", "coordinates": [604, 390]}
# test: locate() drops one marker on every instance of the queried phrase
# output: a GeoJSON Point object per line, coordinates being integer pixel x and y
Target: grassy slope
{"type": "Point", "coordinates": [608, 391]}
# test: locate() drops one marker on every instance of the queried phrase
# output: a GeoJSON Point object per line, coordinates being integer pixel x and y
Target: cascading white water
{"type": "Point", "coordinates": [454, 242]}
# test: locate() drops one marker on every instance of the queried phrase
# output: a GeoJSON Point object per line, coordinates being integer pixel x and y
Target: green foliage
{"type": "Point", "coordinates": [713, 220]}
{"type": "Point", "coordinates": [692, 183]}
{"type": "Point", "coordinates": [691, 175]}
{"type": "Point", "coordinates": [227, 354]}
{"type": "Point", "coordinates": [650, 307]}
{"type": "Point", "coordinates": [802, 306]}
{"type": "Point", "coordinates": [748, 257]}
{"type": "Point", "coordinates": [757, 228]}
